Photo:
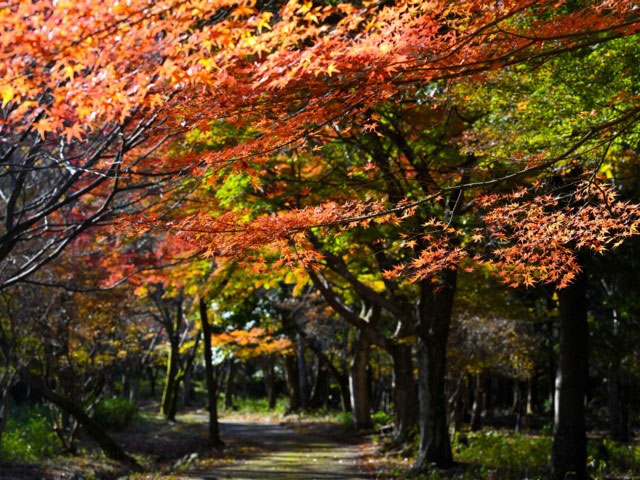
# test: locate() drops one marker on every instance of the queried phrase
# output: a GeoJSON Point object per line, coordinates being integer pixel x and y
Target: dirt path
{"type": "Point", "coordinates": [285, 454]}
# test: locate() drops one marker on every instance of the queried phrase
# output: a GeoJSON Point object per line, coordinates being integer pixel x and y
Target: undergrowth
{"type": "Point", "coordinates": [114, 413]}
{"type": "Point", "coordinates": [493, 454]}
{"type": "Point", "coordinates": [255, 405]}
{"type": "Point", "coordinates": [28, 435]}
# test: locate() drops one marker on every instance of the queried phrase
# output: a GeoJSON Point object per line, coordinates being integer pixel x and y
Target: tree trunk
{"type": "Point", "coordinates": [619, 418]}
{"type": "Point", "coordinates": [345, 394]}
{"type": "Point", "coordinates": [173, 406]}
{"type": "Point", "coordinates": [110, 448]}
{"type": "Point", "coordinates": [341, 378]}
{"type": "Point", "coordinates": [520, 403]}
{"type": "Point", "coordinates": [228, 391]}
{"type": "Point", "coordinates": [187, 389]}
{"type": "Point", "coordinates": [489, 399]}
{"type": "Point", "coordinates": [270, 381]}
{"type": "Point", "coordinates": [455, 405]}
{"type": "Point", "coordinates": [181, 377]}
{"type": "Point", "coordinates": [293, 384]}
{"type": "Point", "coordinates": [134, 387]}
{"type": "Point", "coordinates": [212, 390]}
{"type": "Point", "coordinates": [404, 394]}
{"type": "Point", "coordinates": [569, 452]}
{"type": "Point", "coordinates": [531, 396]}
{"type": "Point", "coordinates": [4, 412]}
{"type": "Point", "coordinates": [479, 396]}
{"type": "Point", "coordinates": [168, 405]}
{"type": "Point", "coordinates": [321, 386]}
{"type": "Point", "coordinates": [551, 367]}
{"type": "Point", "coordinates": [152, 380]}
{"type": "Point", "coordinates": [169, 390]}
{"type": "Point", "coordinates": [434, 320]}
{"type": "Point", "coordinates": [126, 384]}
{"type": "Point", "coordinates": [358, 381]}
{"type": "Point", "coordinates": [302, 373]}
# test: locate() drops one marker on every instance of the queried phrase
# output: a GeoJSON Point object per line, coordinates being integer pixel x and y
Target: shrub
{"type": "Point", "coordinates": [28, 435]}
{"type": "Point", "coordinates": [114, 413]}
{"type": "Point", "coordinates": [607, 457]}
{"type": "Point", "coordinates": [345, 418]}
{"type": "Point", "coordinates": [381, 419]}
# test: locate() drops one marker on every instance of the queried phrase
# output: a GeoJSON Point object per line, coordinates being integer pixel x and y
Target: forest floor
{"type": "Point", "coordinates": [292, 450]}
{"type": "Point", "coordinates": [265, 446]}
{"type": "Point", "coordinates": [258, 446]}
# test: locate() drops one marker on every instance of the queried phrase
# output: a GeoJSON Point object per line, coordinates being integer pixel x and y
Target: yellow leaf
{"type": "Point", "coordinates": [264, 21]}
{"type": "Point", "coordinates": [141, 291]}
{"type": "Point", "coordinates": [7, 95]}
{"type": "Point", "coordinates": [69, 72]}
{"type": "Point", "coordinates": [208, 64]}
{"type": "Point", "coordinates": [331, 69]}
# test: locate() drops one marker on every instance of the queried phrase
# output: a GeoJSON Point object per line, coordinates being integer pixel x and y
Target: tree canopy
{"type": "Point", "coordinates": [258, 172]}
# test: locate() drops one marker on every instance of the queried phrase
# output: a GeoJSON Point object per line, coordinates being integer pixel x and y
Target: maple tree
{"type": "Point", "coordinates": [357, 147]}
{"type": "Point", "coordinates": [103, 74]}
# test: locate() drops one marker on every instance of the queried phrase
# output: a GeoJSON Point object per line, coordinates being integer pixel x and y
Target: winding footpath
{"type": "Point", "coordinates": [286, 454]}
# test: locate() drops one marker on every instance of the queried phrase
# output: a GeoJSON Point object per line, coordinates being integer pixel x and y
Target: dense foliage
{"type": "Point", "coordinates": [423, 209]}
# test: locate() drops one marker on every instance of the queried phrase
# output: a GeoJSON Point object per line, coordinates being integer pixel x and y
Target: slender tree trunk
{"type": "Point", "coordinates": [152, 380]}
{"type": "Point", "coordinates": [293, 383]}
{"type": "Point", "coordinates": [270, 381]}
{"type": "Point", "coordinates": [187, 388]}
{"type": "Point", "coordinates": [244, 381]}
{"type": "Point", "coordinates": [212, 390]}
{"type": "Point", "coordinates": [169, 391]}
{"type": "Point", "coordinates": [619, 417]}
{"type": "Point", "coordinates": [173, 406]}
{"type": "Point", "coordinates": [552, 369]}
{"type": "Point", "coordinates": [479, 397]}
{"type": "Point", "coordinates": [4, 412]}
{"type": "Point", "coordinates": [343, 384]}
{"type": "Point", "coordinates": [126, 384]}
{"type": "Point", "coordinates": [134, 387]}
{"type": "Point", "coordinates": [359, 384]}
{"type": "Point", "coordinates": [321, 386]}
{"type": "Point", "coordinates": [168, 405]}
{"type": "Point", "coordinates": [490, 395]}
{"type": "Point", "coordinates": [228, 391]}
{"type": "Point", "coordinates": [520, 404]}
{"type": "Point", "coordinates": [404, 393]}
{"type": "Point", "coordinates": [434, 320]}
{"type": "Point", "coordinates": [303, 377]}
{"type": "Point", "coordinates": [181, 377]}
{"type": "Point", "coordinates": [341, 378]}
{"type": "Point", "coordinates": [456, 404]}
{"type": "Point", "coordinates": [569, 453]}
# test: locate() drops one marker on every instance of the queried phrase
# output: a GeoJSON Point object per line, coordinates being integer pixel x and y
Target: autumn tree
{"type": "Point", "coordinates": [91, 93]}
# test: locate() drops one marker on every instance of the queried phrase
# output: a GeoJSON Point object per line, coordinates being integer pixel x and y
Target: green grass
{"type": "Point", "coordinates": [512, 454]}
{"type": "Point", "coordinates": [255, 405]}
{"type": "Point", "coordinates": [28, 435]}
